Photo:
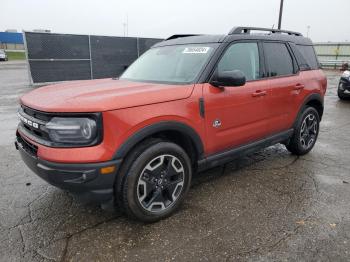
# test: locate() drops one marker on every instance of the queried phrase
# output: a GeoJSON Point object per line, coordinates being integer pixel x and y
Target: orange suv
{"type": "Point", "coordinates": [189, 103]}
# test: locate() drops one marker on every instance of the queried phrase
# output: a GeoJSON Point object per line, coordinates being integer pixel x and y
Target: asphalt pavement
{"type": "Point", "coordinates": [268, 206]}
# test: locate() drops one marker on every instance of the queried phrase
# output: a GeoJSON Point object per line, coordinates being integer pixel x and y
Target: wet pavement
{"type": "Point", "coordinates": [268, 206]}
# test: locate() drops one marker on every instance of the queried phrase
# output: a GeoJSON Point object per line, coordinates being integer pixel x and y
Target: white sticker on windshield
{"type": "Point", "coordinates": [196, 50]}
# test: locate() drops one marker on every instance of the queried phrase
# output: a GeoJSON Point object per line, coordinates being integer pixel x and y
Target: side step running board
{"type": "Point", "coordinates": [229, 155]}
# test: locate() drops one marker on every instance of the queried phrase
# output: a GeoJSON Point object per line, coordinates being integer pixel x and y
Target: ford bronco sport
{"type": "Point", "coordinates": [187, 104]}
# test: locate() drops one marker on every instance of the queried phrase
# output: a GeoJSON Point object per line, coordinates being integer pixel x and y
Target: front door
{"type": "Point", "coordinates": [237, 115]}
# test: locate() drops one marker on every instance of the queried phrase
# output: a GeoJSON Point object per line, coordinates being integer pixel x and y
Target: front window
{"type": "Point", "coordinates": [171, 64]}
{"type": "Point", "coordinates": [243, 57]}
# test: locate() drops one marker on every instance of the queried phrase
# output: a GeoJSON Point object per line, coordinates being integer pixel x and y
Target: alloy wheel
{"type": "Point", "coordinates": [308, 131]}
{"type": "Point", "coordinates": [160, 183]}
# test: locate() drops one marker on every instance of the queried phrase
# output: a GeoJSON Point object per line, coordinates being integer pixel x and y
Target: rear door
{"type": "Point", "coordinates": [284, 83]}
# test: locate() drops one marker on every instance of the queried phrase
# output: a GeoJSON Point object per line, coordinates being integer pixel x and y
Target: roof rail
{"type": "Point", "coordinates": [179, 36]}
{"type": "Point", "coordinates": [246, 30]}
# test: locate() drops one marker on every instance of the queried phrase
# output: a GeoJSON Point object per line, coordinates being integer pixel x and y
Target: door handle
{"type": "Point", "coordinates": [298, 87]}
{"type": "Point", "coordinates": [258, 93]}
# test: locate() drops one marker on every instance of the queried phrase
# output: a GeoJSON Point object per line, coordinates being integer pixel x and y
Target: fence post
{"type": "Point", "coordinates": [138, 46]}
{"type": "Point", "coordinates": [336, 55]}
{"type": "Point", "coordinates": [27, 58]}
{"type": "Point", "coordinates": [91, 72]}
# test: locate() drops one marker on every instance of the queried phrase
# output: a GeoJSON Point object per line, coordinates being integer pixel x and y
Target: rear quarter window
{"type": "Point", "coordinates": [309, 55]}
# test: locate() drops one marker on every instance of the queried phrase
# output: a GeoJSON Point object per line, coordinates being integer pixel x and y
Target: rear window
{"type": "Point", "coordinates": [279, 60]}
{"type": "Point", "coordinates": [309, 55]}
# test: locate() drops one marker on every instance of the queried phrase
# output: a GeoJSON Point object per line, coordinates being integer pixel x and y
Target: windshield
{"type": "Point", "coordinates": [171, 64]}
{"type": "Point", "coordinates": [2, 52]}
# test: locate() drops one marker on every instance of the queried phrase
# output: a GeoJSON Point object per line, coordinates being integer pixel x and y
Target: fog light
{"type": "Point", "coordinates": [107, 170]}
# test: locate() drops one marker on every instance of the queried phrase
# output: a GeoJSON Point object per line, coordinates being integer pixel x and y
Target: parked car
{"type": "Point", "coordinates": [344, 86]}
{"type": "Point", "coordinates": [3, 55]}
{"type": "Point", "coordinates": [188, 104]}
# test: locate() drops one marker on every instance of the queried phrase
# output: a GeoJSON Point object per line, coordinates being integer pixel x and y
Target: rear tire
{"type": "Point", "coordinates": [155, 181]}
{"type": "Point", "coordinates": [305, 132]}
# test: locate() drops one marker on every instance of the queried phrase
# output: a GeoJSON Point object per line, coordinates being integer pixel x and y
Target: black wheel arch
{"type": "Point", "coordinates": [173, 128]}
{"type": "Point", "coordinates": [315, 100]}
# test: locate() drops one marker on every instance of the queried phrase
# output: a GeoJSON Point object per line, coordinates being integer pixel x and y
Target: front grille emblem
{"type": "Point", "coordinates": [27, 121]}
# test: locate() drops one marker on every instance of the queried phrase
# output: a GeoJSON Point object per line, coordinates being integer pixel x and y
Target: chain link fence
{"type": "Point", "coordinates": [63, 57]}
{"type": "Point", "coordinates": [333, 55]}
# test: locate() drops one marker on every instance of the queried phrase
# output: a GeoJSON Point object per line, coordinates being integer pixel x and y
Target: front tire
{"type": "Point", "coordinates": [156, 180]}
{"type": "Point", "coordinates": [305, 132]}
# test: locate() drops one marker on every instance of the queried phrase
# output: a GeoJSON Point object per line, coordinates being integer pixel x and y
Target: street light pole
{"type": "Point", "coordinates": [280, 16]}
{"type": "Point", "coordinates": [124, 27]}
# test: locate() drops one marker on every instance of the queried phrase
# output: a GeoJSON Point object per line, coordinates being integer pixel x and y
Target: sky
{"type": "Point", "coordinates": [328, 20]}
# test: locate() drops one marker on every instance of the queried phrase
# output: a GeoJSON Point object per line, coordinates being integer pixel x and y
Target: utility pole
{"type": "Point", "coordinates": [127, 25]}
{"type": "Point", "coordinates": [308, 31]}
{"type": "Point", "coordinates": [124, 27]}
{"type": "Point", "coordinates": [280, 16]}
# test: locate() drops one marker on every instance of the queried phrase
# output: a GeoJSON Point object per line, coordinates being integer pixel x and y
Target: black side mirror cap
{"type": "Point", "coordinates": [229, 78]}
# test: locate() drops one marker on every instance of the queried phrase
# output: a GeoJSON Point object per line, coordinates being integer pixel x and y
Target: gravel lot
{"type": "Point", "coordinates": [268, 206]}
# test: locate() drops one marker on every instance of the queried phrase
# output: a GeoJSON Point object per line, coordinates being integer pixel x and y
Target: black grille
{"type": "Point", "coordinates": [36, 132]}
{"type": "Point", "coordinates": [41, 118]}
{"type": "Point", "coordinates": [37, 114]}
{"type": "Point", "coordinates": [26, 145]}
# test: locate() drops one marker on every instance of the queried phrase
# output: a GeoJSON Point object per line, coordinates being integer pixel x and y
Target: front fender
{"type": "Point", "coordinates": [148, 131]}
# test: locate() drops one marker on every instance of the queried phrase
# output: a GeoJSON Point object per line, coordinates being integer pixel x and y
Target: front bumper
{"type": "Point", "coordinates": [344, 84]}
{"type": "Point", "coordinates": [84, 180]}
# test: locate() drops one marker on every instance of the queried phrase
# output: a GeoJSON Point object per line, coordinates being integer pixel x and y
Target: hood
{"type": "Point", "coordinates": [101, 95]}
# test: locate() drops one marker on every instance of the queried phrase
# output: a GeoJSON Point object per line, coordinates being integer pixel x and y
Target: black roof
{"type": "Point", "coordinates": [238, 33]}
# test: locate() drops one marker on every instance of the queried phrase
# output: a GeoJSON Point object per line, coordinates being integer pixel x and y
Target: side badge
{"type": "Point", "coordinates": [217, 123]}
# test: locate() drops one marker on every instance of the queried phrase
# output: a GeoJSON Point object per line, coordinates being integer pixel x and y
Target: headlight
{"type": "Point", "coordinates": [72, 130]}
{"type": "Point", "coordinates": [346, 74]}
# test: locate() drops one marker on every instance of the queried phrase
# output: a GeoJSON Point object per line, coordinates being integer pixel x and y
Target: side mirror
{"type": "Point", "coordinates": [229, 78]}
